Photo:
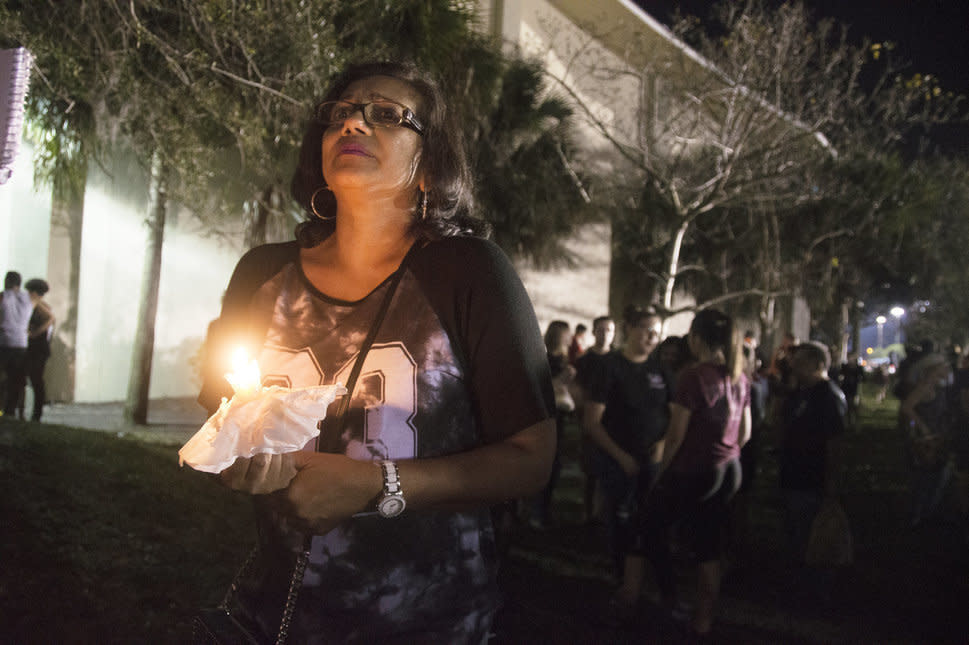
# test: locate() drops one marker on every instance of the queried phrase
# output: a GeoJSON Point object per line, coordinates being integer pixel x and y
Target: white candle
{"type": "Point", "coordinates": [245, 377]}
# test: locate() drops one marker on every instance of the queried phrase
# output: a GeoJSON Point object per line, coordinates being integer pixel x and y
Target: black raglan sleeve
{"type": "Point", "coordinates": [238, 325]}
{"type": "Point", "coordinates": [486, 311]}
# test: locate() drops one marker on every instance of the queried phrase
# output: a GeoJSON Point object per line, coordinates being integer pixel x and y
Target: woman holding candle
{"type": "Point", "coordinates": [453, 408]}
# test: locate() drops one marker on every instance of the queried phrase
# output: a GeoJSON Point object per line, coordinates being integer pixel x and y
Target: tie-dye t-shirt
{"type": "Point", "coordinates": [457, 362]}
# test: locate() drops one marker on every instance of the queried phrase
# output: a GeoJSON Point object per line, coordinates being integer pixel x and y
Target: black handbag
{"type": "Point", "coordinates": [218, 626]}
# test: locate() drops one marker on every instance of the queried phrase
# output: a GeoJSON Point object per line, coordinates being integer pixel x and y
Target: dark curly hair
{"type": "Point", "coordinates": [450, 202]}
{"type": "Point", "coordinates": [38, 286]}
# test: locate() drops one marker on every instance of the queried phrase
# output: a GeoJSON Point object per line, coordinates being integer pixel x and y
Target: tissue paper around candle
{"type": "Point", "coordinates": [272, 420]}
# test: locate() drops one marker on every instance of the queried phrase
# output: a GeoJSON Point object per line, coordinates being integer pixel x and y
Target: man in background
{"type": "Point", "coordinates": [813, 419]}
{"type": "Point", "coordinates": [588, 371]}
{"type": "Point", "coordinates": [15, 310]}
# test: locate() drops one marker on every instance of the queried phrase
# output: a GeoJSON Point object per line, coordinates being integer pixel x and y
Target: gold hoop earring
{"type": "Point", "coordinates": [313, 205]}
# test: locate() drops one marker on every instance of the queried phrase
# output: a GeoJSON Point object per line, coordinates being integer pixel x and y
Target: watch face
{"type": "Point", "coordinates": [391, 506]}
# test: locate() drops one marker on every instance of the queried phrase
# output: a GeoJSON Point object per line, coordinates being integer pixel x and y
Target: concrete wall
{"type": "Point", "coordinates": [24, 221]}
{"type": "Point", "coordinates": [195, 269]}
{"type": "Point", "coordinates": [538, 30]}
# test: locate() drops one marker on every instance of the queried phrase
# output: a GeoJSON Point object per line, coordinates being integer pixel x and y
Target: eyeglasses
{"type": "Point", "coordinates": [379, 114]}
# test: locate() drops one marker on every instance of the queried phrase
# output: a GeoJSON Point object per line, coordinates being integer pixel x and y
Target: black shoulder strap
{"type": "Point", "coordinates": [365, 347]}
{"type": "Point", "coordinates": [340, 418]}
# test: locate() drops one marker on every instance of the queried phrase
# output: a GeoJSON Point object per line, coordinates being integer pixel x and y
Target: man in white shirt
{"type": "Point", "coordinates": [15, 310]}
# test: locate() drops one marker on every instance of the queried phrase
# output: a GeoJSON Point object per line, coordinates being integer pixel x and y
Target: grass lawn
{"type": "Point", "coordinates": [107, 540]}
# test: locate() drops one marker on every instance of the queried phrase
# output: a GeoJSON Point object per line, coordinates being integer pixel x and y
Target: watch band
{"type": "Point", "coordinates": [391, 477]}
{"type": "Point", "coordinates": [391, 502]}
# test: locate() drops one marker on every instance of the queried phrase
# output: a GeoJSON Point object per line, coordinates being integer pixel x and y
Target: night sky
{"type": "Point", "coordinates": [932, 35]}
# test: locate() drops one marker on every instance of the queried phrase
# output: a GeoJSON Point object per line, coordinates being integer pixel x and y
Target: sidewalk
{"type": "Point", "coordinates": [171, 420]}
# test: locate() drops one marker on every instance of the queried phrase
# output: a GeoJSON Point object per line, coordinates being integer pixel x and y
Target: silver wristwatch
{"type": "Point", "coordinates": [391, 502]}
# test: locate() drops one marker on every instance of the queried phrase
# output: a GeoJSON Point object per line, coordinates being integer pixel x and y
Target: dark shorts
{"type": "Point", "coordinates": [698, 502]}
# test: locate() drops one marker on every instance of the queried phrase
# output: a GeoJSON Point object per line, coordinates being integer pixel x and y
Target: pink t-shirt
{"type": "Point", "coordinates": [716, 408]}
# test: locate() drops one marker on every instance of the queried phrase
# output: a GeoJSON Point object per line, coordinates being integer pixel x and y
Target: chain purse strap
{"type": "Point", "coordinates": [341, 422]}
{"type": "Point", "coordinates": [293, 594]}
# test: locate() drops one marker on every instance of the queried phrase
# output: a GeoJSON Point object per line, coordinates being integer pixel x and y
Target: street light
{"type": "Point", "coordinates": [898, 312]}
{"type": "Point", "coordinates": [881, 324]}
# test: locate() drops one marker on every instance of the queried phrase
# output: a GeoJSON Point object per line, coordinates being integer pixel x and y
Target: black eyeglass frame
{"type": "Point", "coordinates": [407, 120]}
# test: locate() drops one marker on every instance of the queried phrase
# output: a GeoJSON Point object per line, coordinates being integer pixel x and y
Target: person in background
{"type": "Point", "coordinates": [810, 458]}
{"type": "Point", "coordinates": [960, 438]}
{"type": "Point", "coordinates": [779, 363]}
{"type": "Point", "coordinates": [557, 347]}
{"type": "Point", "coordinates": [750, 453]}
{"type": "Point", "coordinates": [850, 377]}
{"type": "Point", "coordinates": [588, 370]}
{"type": "Point", "coordinates": [779, 377]}
{"type": "Point", "coordinates": [15, 310]}
{"type": "Point", "coordinates": [674, 356]}
{"type": "Point", "coordinates": [588, 364]}
{"type": "Point", "coordinates": [700, 469]}
{"type": "Point", "coordinates": [579, 343]}
{"type": "Point", "coordinates": [751, 344]}
{"type": "Point", "coordinates": [39, 331]}
{"type": "Point", "coordinates": [925, 414]}
{"type": "Point", "coordinates": [453, 411]}
{"type": "Point", "coordinates": [625, 417]}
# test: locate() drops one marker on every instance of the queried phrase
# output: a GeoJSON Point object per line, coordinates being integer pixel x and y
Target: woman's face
{"type": "Point", "coordinates": [380, 159]}
{"type": "Point", "coordinates": [693, 343]}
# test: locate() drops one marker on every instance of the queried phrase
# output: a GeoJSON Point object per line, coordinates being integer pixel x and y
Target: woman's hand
{"type": "Point", "coordinates": [328, 489]}
{"type": "Point", "coordinates": [260, 474]}
{"type": "Point", "coordinates": [323, 489]}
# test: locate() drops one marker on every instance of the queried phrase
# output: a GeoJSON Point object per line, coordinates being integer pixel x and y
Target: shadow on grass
{"type": "Point", "coordinates": [107, 540]}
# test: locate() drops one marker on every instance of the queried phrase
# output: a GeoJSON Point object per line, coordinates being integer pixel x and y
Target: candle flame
{"type": "Point", "coordinates": [245, 375]}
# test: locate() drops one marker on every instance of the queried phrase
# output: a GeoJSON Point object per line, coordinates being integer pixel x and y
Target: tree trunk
{"type": "Point", "coordinates": [136, 404]}
{"type": "Point", "coordinates": [673, 268]}
{"type": "Point", "coordinates": [67, 224]}
{"type": "Point", "coordinates": [843, 339]}
{"type": "Point", "coordinates": [855, 314]}
{"type": "Point", "coordinates": [265, 219]}
{"type": "Point", "coordinates": [772, 255]}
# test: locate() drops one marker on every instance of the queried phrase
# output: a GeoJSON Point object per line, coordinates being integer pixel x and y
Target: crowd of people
{"type": "Point", "coordinates": [673, 431]}
{"type": "Point", "coordinates": [26, 328]}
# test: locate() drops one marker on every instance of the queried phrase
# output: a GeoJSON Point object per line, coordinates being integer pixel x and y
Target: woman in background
{"type": "Point", "coordinates": [927, 417]}
{"type": "Point", "coordinates": [700, 471]}
{"type": "Point", "coordinates": [39, 332]}
{"type": "Point", "coordinates": [557, 347]}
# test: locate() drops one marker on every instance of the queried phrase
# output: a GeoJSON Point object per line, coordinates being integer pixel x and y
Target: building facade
{"type": "Point", "coordinates": [586, 47]}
